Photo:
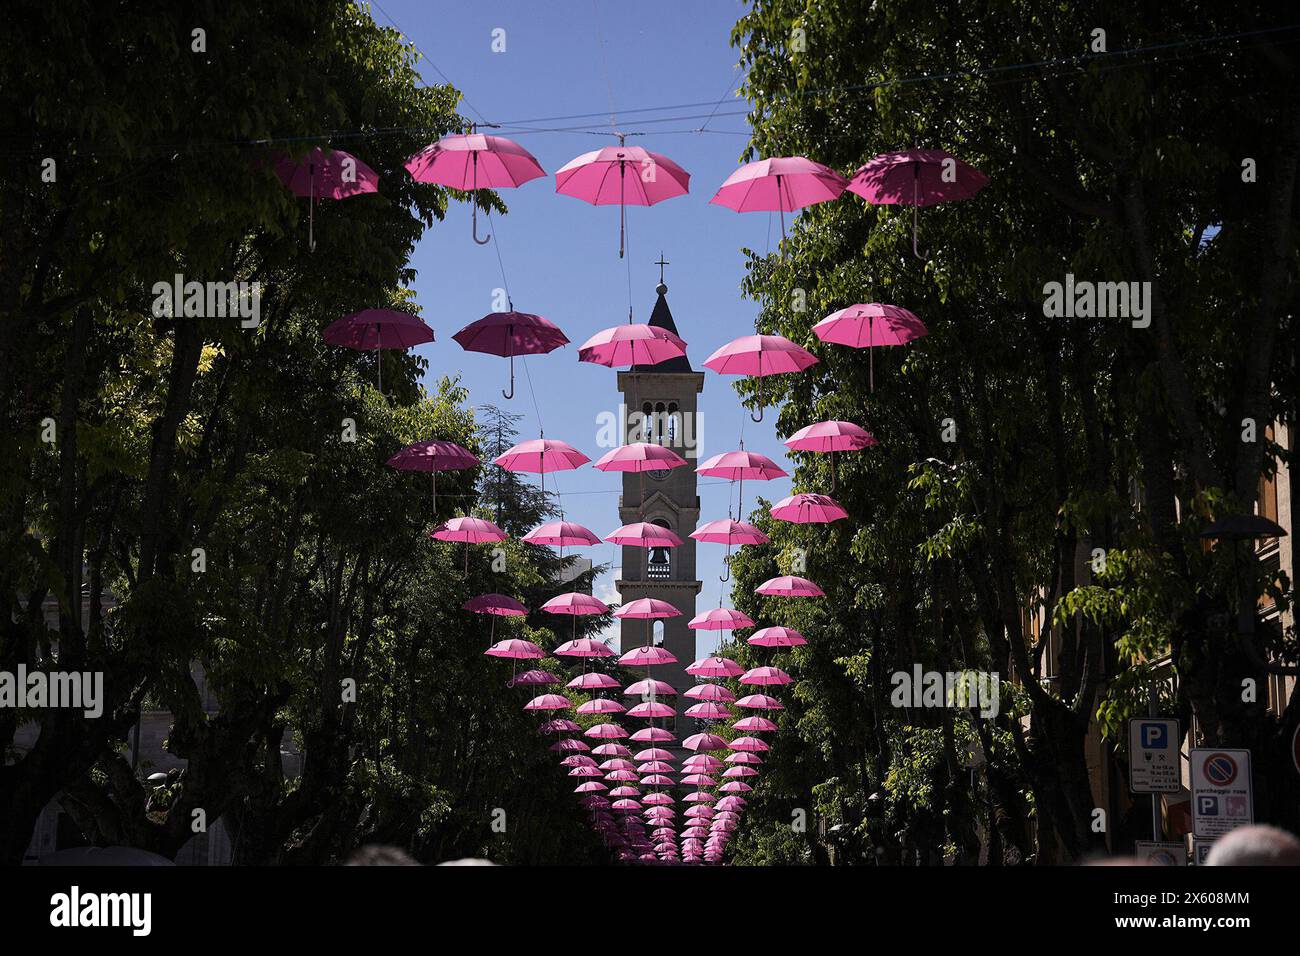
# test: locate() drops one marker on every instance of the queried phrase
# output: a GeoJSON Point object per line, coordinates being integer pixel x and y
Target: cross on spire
{"type": "Point", "coordinates": [661, 262]}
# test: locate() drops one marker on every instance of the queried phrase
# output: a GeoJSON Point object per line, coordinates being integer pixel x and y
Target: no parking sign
{"type": "Point", "coordinates": [1222, 796]}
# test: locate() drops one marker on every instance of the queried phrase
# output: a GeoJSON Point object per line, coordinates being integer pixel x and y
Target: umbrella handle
{"type": "Point", "coordinates": [510, 394]}
{"type": "Point", "coordinates": [311, 208]}
{"type": "Point", "coordinates": [759, 416]}
{"type": "Point", "coordinates": [726, 563]}
{"type": "Point", "coordinates": [474, 207]}
{"type": "Point", "coordinates": [916, 177]}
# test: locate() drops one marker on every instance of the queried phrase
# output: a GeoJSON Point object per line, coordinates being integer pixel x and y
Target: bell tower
{"type": "Point", "coordinates": [661, 403]}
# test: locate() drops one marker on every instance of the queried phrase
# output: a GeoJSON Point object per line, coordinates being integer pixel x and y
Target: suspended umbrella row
{"type": "Point", "coordinates": [625, 176]}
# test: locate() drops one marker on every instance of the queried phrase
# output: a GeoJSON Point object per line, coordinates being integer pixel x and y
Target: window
{"type": "Point", "coordinates": [659, 564]}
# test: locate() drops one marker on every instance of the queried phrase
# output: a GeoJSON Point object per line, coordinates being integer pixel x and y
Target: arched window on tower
{"type": "Point", "coordinates": [658, 634]}
{"type": "Point", "coordinates": [646, 431]}
{"type": "Point", "coordinates": [673, 430]}
{"type": "Point", "coordinates": [659, 565]}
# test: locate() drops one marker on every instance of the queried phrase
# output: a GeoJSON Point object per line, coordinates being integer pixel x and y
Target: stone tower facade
{"type": "Point", "coordinates": [662, 407]}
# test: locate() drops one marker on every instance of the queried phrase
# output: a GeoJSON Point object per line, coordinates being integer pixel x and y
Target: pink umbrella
{"type": "Point", "coordinates": [644, 534]}
{"type": "Point", "coordinates": [740, 465]}
{"type": "Point", "coordinates": [760, 702]}
{"type": "Point", "coordinates": [916, 177]}
{"type": "Point", "coordinates": [625, 791]}
{"type": "Point", "coordinates": [647, 657]}
{"type": "Point", "coordinates": [720, 619]}
{"type": "Point", "coordinates": [569, 746]}
{"type": "Point", "coordinates": [698, 780]}
{"type": "Point", "coordinates": [541, 455]}
{"type": "Point", "coordinates": [658, 799]}
{"type": "Point", "coordinates": [789, 586]}
{"type": "Point", "coordinates": [655, 766]}
{"type": "Point", "coordinates": [374, 329]}
{"type": "Point", "coordinates": [736, 786]}
{"type": "Point", "coordinates": [558, 725]}
{"type": "Point", "coordinates": [325, 174]}
{"type": "Point", "coordinates": [651, 709]}
{"type": "Point", "coordinates": [656, 688]}
{"type": "Point", "coordinates": [561, 534]}
{"type": "Point", "coordinates": [739, 772]}
{"type": "Point", "coordinates": [866, 326]}
{"type": "Point", "coordinates": [715, 666]}
{"type": "Point", "coordinates": [584, 647]}
{"type": "Point", "coordinates": [548, 702]}
{"type": "Point", "coordinates": [631, 345]}
{"type": "Point", "coordinates": [698, 796]}
{"type": "Point", "coordinates": [611, 750]}
{"type": "Point", "coordinates": [701, 763]}
{"type": "Point", "coordinates": [577, 760]}
{"type": "Point", "coordinates": [433, 457]}
{"type": "Point", "coordinates": [708, 710]}
{"type": "Point", "coordinates": [776, 637]}
{"type": "Point", "coordinates": [584, 771]}
{"type": "Point", "coordinates": [590, 786]}
{"type": "Point", "coordinates": [601, 705]}
{"type": "Point", "coordinates": [647, 608]}
{"type": "Point", "coordinates": [808, 509]}
{"type": "Point", "coordinates": [766, 677]}
{"type": "Point", "coordinates": [759, 356]}
{"type": "Point", "coordinates": [469, 530]}
{"type": "Point", "coordinates": [575, 603]}
{"type": "Point", "coordinates": [704, 742]}
{"type": "Point", "coordinates": [605, 732]}
{"type": "Point", "coordinates": [622, 174]}
{"type": "Point", "coordinates": [652, 735]}
{"type": "Point", "coordinates": [714, 692]}
{"type": "Point", "coordinates": [515, 649]}
{"type": "Point", "coordinates": [495, 605]}
{"type": "Point", "coordinates": [754, 725]}
{"type": "Point", "coordinates": [593, 681]}
{"type": "Point", "coordinates": [728, 532]}
{"type": "Point", "coordinates": [749, 744]}
{"type": "Point", "coordinates": [640, 457]}
{"type": "Point", "coordinates": [509, 334]}
{"type": "Point", "coordinates": [654, 753]}
{"type": "Point", "coordinates": [657, 780]}
{"type": "Point", "coordinates": [534, 678]}
{"type": "Point", "coordinates": [783, 183]}
{"type": "Point", "coordinates": [470, 161]}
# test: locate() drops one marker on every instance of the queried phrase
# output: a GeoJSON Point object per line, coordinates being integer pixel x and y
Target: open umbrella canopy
{"type": "Point", "coordinates": [575, 602]}
{"type": "Point", "coordinates": [766, 677]}
{"type": "Point", "coordinates": [433, 456]}
{"type": "Point", "coordinates": [541, 455]}
{"type": "Point", "coordinates": [808, 509]}
{"type": "Point", "coordinates": [654, 753]}
{"type": "Point", "coordinates": [468, 530]}
{"type": "Point", "coordinates": [640, 456]}
{"type": "Point", "coordinates": [704, 742]}
{"type": "Point", "coordinates": [916, 177]}
{"type": "Point", "coordinates": [534, 678]}
{"type": "Point", "coordinates": [708, 710]}
{"type": "Point", "coordinates": [611, 750]}
{"type": "Point", "coordinates": [789, 586]}
{"type": "Point", "coordinates": [759, 356]}
{"type": "Point", "coordinates": [776, 637]}
{"type": "Point", "coordinates": [754, 725]}
{"type": "Point", "coordinates": [561, 534]}
{"type": "Point", "coordinates": [710, 692]}
{"type": "Point", "coordinates": [378, 329]}
{"type": "Point", "coordinates": [601, 705]}
{"type": "Point", "coordinates": [644, 534]}
{"type": "Point", "coordinates": [741, 465]}
{"type": "Point", "coordinates": [647, 657]}
{"type": "Point", "coordinates": [726, 531]}
{"type": "Point", "coordinates": [720, 619]}
{"type": "Point", "coordinates": [511, 333]}
{"type": "Point", "coordinates": [736, 786]}
{"type": "Point", "coordinates": [749, 744]}
{"type": "Point", "coordinates": [584, 647]}
{"type": "Point", "coordinates": [867, 325]}
{"type": "Point", "coordinates": [760, 702]}
{"type": "Point", "coordinates": [714, 666]}
{"type": "Point", "coordinates": [559, 725]}
{"type": "Point", "coordinates": [655, 766]}
{"type": "Point", "coordinates": [515, 649]}
{"type": "Point", "coordinates": [779, 184]}
{"type": "Point", "coordinates": [698, 780]}
{"type": "Point", "coordinates": [474, 161]}
{"type": "Point", "coordinates": [652, 709]}
{"type": "Point", "coordinates": [499, 604]}
{"type": "Point", "coordinates": [656, 780]}
{"type": "Point", "coordinates": [657, 688]}
{"type": "Point", "coordinates": [548, 702]}
{"type": "Point", "coordinates": [593, 680]}
{"type": "Point", "coordinates": [653, 735]}
{"type": "Point", "coordinates": [569, 745]}
{"type": "Point", "coordinates": [623, 175]}
{"type": "Point", "coordinates": [323, 173]}
{"type": "Point", "coordinates": [830, 436]}
{"type": "Point", "coordinates": [631, 344]}
{"type": "Point", "coordinates": [647, 608]}
{"type": "Point", "coordinates": [605, 732]}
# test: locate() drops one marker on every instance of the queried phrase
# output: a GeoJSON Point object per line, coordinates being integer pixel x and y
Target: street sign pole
{"type": "Point", "coordinates": [1157, 831]}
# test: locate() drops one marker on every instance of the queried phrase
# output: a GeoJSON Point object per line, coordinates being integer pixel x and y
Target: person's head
{"type": "Point", "coordinates": [1255, 846]}
{"type": "Point", "coordinates": [376, 854]}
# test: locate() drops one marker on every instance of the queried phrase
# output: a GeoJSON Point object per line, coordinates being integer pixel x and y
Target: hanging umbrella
{"type": "Point", "coordinates": [714, 692]}
{"type": "Point", "coordinates": [631, 345]}
{"type": "Point", "coordinates": [715, 666]}
{"type": "Point", "coordinates": [559, 725]}
{"type": "Point", "coordinates": [534, 678]}
{"type": "Point", "coordinates": [808, 509]}
{"type": "Point", "coordinates": [708, 710]}
{"type": "Point", "coordinates": [736, 786]}
{"type": "Point", "coordinates": [548, 702]}
{"type": "Point", "coordinates": [704, 742]}
{"type": "Point", "coordinates": [561, 534]}
{"type": "Point", "coordinates": [648, 609]}
{"type": "Point", "coordinates": [541, 455]}
{"type": "Point", "coordinates": [651, 709]}
{"type": "Point", "coordinates": [643, 534]}
{"type": "Point", "coordinates": [870, 325]}
{"type": "Point", "coordinates": [576, 604]}
{"type": "Point", "coordinates": [739, 466]}
{"type": "Point", "coordinates": [783, 183]}
{"type": "Point", "coordinates": [776, 637]}
{"type": "Point", "coordinates": [640, 456]}
{"type": "Point", "coordinates": [569, 745]}
{"type": "Point", "coordinates": [374, 329]}
{"type": "Point", "coordinates": [831, 436]}
{"type": "Point", "coordinates": [495, 605]}
{"type": "Point", "coordinates": [584, 647]}
{"type": "Point", "coordinates": [749, 744]}
{"type": "Point", "coordinates": [728, 532]}
{"type": "Point", "coordinates": [515, 649]}
{"type": "Point", "coordinates": [655, 766]}
{"type": "Point", "coordinates": [433, 457]}
{"type": "Point", "coordinates": [601, 705]}
{"type": "Point", "coordinates": [647, 657]}
{"type": "Point", "coordinates": [470, 531]}
{"type": "Point", "coordinates": [652, 735]}
{"type": "Point", "coordinates": [753, 725]}
{"type": "Point", "coordinates": [759, 356]}
{"type": "Point", "coordinates": [611, 750]}
{"type": "Point", "coordinates": [698, 780]}
{"type": "Point", "coordinates": [472, 161]}
{"type": "Point", "coordinates": [916, 177]}
{"type": "Point", "coordinates": [605, 732]}
{"type": "Point", "coordinates": [325, 174]}
{"type": "Point", "coordinates": [766, 677]}
{"type": "Point", "coordinates": [720, 619]}
{"type": "Point", "coordinates": [654, 753]}
{"type": "Point", "coordinates": [789, 586]}
{"type": "Point", "coordinates": [760, 702]}
{"type": "Point", "coordinates": [593, 680]}
{"type": "Point", "coordinates": [627, 175]}
{"type": "Point", "coordinates": [509, 334]}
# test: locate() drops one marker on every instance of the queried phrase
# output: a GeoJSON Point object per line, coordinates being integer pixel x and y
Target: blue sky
{"type": "Point", "coordinates": [561, 254]}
